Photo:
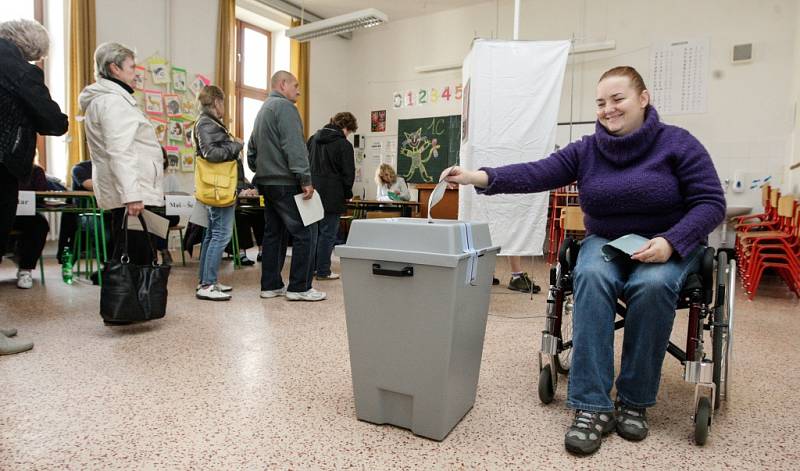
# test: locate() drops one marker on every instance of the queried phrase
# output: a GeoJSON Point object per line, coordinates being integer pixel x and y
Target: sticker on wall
{"type": "Point", "coordinates": [160, 126]}
{"type": "Point", "coordinates": [153, 102]}
{"type": "Point", "coordinates": [397, 100]}
{"type": "Point", "coordinates": [138, 79]}
{"type": "Point", "coordinates": [378, 121]}
{"type": "Point", "coordinates": [188, 127]}
{"type": "Point", "coordinates": [187, 160]}
{"type": "Point", "coordinates": [173, 105]}
{"type": "Point", "coordinates": [178, 79]}
{"type": "Point", "coordinates": [176, 132]}
{"type": "Point", "coordinates": [198, 83]}
{"type": "Point", "coordinates": [160, 72]}
{"type": "Point", "coordinates": [188, 106]}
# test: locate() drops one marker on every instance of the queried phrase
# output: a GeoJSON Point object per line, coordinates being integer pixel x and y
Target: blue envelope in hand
{"type": "Point", "coordinates": [627, 244]}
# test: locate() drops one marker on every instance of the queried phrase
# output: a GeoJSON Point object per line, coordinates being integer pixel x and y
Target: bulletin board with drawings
{"type": "Point", "coordinates": [168, 96]}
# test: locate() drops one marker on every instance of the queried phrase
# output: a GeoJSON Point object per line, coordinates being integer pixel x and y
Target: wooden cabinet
{"type": "Point", "coordinates": [447, 208]}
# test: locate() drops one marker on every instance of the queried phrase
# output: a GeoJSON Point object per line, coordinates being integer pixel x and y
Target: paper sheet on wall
{"type": "Point", "coordinates": [679, 77]}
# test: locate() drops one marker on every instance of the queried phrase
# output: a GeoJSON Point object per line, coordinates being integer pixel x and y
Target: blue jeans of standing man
{"type": "Point", "coordinates": [328, 227]}
{"type": "Point", "coordinates": [651, 294]}
{"type": "Point", "coordinates": [218, 234]}
{"type": "Point", "coordinates": [281, 216]}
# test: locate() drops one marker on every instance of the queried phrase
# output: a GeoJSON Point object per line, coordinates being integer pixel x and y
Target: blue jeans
{"type": "Point", "coordinates": [651, 293]}
{"type": "Point", "coordinates": [281, 217]}
{"type": "Point", "coordinates": [328, 227]}
{"type": "Point", "coordinates": [218, 234]}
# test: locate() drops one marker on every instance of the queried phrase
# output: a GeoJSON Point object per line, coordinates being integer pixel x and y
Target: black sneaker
{"type": "Point", "coordinates": [585, 435]}
{"type": "Point", "coordinates": [631, 422]}
{"type": "Point", "coordinates": [523, 283]}
{"type": "Point", "coordinates": [246, 261]}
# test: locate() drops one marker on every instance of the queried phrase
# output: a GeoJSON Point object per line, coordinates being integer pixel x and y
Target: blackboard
{"type": "Point", "coordinates": [427, 146]}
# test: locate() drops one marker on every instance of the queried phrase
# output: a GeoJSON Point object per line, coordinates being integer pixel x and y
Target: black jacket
{"type": "Point", "coordinates": [332, 167]}
{"type": "Point", "coordinates": [213, 142]}
{"type": "Point", "coordinates": [25, 109]}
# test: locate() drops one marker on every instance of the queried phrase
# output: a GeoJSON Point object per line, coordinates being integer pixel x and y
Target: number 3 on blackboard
{"type": "Point", "coordinates": [423, 96]}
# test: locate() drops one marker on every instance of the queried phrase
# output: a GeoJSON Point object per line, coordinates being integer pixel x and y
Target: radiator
{"type": "Point", "coordinates": [54, 219]}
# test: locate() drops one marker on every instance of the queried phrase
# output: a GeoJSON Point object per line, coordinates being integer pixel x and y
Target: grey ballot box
{"type": "Point", "coordinates": [416, 297]}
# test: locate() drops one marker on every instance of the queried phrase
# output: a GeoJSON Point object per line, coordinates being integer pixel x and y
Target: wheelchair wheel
{"type": "Point", "coordinates": [722, 331]}
{"type": "Point", "coordinates": [702, 420]}
{"type": "Point", "coordinates": [563, 360]}
{"type": "Point", "coordinates": [547, 389]}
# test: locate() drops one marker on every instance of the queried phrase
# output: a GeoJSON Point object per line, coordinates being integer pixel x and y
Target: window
{"type": "Point", "coordinates": [252, 76]}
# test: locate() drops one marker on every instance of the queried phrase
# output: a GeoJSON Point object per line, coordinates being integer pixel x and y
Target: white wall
{"type": "Point", "coordinates": [182, 31]}
{"type": "Point", "coordinates": [748, 126]}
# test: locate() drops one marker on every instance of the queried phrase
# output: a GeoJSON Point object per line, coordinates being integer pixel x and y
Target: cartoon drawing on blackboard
{"type": "Point", "coordinates": [413, 146]}
{"type": "Point", "coordinates": [426, 146]}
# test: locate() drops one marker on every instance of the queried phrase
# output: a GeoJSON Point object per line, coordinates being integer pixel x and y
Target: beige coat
{"type": "Point", "coordinates": [127, 162]}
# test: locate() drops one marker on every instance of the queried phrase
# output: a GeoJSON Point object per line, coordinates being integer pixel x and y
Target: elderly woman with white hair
{"type": "Point", "coordinates": [127, 161]}
{"type": "Point", "coordinates": [27, 109]}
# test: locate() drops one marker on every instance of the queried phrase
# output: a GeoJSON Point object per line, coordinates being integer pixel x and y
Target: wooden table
{"type": "Point", "coordinates": [447, 208]}
{"type": "Point", "coordinates": [360, 208]}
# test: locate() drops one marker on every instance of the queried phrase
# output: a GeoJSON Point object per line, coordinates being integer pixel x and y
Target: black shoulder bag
{"type": "Point", "coordinates": [131, 292]}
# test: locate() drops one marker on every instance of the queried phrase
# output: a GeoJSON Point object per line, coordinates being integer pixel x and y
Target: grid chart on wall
{"type": "Point", "coordinates": [679, 77]}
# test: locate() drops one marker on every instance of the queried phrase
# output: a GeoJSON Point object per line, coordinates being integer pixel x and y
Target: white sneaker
{"type": "Point", "coordinates": [223, 288]}
{"type": "Point", "coordinates": [212, 293]}
{"type": "Point", "coordinates": [310, 295]}
{"type": "Point", "coordinates": [273, 293]}
{"type": "Point", "coordinates": [24, 279]}
{"type": "Point", "coordinates": [332, 276]}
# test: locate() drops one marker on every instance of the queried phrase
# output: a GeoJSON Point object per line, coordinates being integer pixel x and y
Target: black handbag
{"type": "Point", "coordinates": [133, 293]}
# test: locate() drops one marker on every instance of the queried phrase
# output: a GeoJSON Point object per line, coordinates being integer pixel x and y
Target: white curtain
{"type": "Point", "coordinates": [512, 94]}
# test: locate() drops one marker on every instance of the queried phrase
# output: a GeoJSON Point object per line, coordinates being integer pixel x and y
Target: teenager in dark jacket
{"type": "Point", "coordinates": [332, 172]}
{"type": "Point", "coordinates": [27, 109]}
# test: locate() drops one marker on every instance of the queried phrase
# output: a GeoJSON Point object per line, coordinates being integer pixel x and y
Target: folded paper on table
{"type": "Point", "coordinates": [628, 244]}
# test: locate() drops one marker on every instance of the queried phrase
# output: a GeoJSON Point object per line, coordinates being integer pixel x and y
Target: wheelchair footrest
{"type": "Point", "coordinates": [549, 343]}
{"type": "Point", "coordinates": [698, 372]}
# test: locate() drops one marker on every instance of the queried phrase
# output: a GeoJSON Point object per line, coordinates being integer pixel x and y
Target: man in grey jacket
{"type": "Point", "coordinates": [277, 154]}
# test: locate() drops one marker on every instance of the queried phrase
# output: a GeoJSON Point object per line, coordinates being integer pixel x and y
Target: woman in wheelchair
{"type": "Point", "coordinates": [636, 175]}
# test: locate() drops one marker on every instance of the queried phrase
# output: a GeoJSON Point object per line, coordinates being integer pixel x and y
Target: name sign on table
{"type": "Point", "coordinates": [26, 203]}
{"type": "Point", "coordinates": [179, 205]}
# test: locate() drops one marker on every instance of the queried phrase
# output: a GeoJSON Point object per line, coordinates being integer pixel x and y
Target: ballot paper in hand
{"type": "Point", "coordinates": [156, 225]}
{"type": "Point", "coordinates": [311, 210]}
{"type": "Point", "coordinates": [628, 244]}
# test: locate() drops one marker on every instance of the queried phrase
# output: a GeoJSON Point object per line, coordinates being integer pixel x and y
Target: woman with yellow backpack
{"type": "Point", "coordinates": [215, 187]}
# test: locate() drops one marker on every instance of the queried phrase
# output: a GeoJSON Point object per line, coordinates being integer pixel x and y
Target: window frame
{"type": "Point", "coordinates": [244, 91]}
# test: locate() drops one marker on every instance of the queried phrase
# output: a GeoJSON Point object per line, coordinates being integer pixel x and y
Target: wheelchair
{"type": "Point", "coordinates": [710, 300]}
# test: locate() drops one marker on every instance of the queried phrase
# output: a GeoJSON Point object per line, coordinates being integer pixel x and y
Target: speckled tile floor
{"type": "Point", "coordinates": [265, 384]}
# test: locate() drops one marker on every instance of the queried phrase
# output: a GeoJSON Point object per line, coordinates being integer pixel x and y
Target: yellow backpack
{"type": "Point", "coordinates": [214, 182]}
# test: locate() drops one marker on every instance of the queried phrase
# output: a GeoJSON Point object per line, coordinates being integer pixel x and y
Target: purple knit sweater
{"type": "Point", "coordinates": [656, 181]}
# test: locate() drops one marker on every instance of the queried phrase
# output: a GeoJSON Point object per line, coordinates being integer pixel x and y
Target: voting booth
{"type": "Point", "coordinates": [416, 296]}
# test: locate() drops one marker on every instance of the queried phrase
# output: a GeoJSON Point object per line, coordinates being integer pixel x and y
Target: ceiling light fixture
{"type": "Point", "coordinates": [338, 24]}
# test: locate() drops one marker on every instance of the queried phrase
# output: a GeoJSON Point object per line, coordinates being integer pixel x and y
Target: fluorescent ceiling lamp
{"type": "Point", "coordinates": [338, 24]}
{"type": "Point", "coordinates": [593, 47]}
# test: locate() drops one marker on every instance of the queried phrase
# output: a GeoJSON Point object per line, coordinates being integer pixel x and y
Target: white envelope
{"type": "Point", "coordinates": [311, 210]}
